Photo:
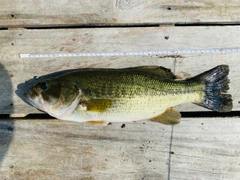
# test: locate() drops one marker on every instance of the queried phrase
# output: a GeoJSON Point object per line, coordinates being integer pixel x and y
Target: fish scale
{"type": "Point", "coordinates": [129, 94]}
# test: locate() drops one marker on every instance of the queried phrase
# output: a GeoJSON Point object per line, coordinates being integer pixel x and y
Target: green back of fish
{"type": "Point", "coordinates": [111, 84]}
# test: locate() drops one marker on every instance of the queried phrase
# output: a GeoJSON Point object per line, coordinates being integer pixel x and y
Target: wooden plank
{"type": "Point", "coordinates": [74, 40]}
{"type": "Point", "coordinates": [200, 148]}
{"type": "Point", "coordinates": [15, 70]}
{"type": "Point", "coordinates": [26, 13]}
{"type": "Point", "coordinates": [51, 149]}
{"type": "Point", "coordinates": [206, 148]}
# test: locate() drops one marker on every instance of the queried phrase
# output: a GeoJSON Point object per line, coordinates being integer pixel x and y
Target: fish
{"type": "Point", "coordinates": [101, 96]}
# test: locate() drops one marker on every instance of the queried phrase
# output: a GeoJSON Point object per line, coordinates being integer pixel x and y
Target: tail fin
{"type": "Point", "coordinates": [216, 85]}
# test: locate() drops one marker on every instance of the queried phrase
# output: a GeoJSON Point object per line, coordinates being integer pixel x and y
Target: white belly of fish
{"type": "Point", "coordinates": [132, 110]}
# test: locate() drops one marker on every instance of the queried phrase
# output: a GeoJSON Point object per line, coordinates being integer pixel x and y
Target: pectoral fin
{"type": "Point", "coordinates": [96, 105]}
{"type": "Point", "coordinates": [170, 116]}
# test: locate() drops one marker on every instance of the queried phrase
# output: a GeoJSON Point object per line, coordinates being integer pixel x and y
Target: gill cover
{"type": "Point", "coordinates": [48, 90]}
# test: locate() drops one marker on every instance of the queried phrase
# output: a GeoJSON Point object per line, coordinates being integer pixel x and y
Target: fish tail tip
{"type": "Point", "coordinates": [216, 84]}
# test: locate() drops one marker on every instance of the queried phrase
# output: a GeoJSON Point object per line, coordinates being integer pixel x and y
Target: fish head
{"type": "Point", "coordinates": [54, 96]}
{"type": "Point", "coordinates": [43, 94]}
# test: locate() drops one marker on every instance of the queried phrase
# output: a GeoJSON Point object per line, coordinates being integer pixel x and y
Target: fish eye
{"type": "Point", "coordinates": [43, 85]}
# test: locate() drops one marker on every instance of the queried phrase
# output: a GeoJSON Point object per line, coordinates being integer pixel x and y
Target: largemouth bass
{"type": "Point", "coordinates": [129, 94]}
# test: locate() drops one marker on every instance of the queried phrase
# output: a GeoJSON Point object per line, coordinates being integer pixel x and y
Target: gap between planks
{"type": "Point", "coordinates": [201, 24]}
{"type": "Point", "coordinates": [194, 114]}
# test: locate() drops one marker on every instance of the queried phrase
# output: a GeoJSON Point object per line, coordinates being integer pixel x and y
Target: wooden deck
{"type": "Point", "coordinates": [40, 147]}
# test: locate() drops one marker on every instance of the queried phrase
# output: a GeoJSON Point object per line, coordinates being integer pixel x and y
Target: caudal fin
{"type": "Point", "coordinates": [216, 85]}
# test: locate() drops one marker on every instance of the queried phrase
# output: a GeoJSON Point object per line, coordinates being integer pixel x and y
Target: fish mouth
{"type": "Point", "coordinates": [28, 95]}
{"type": "Point", "coordinates": [29, 98]}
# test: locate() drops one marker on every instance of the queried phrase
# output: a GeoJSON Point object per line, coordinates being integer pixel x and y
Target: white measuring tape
{"type": "Point", "coordinates": [132, 53]}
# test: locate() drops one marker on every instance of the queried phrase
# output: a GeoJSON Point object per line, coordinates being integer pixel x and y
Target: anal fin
{"type": "Point", "coordinates": [170, 116]}
{"type": "Point", "coordinates": [100, 122]}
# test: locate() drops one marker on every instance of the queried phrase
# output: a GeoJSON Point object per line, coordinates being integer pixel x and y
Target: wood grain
{"type": "Point", "coordinates": [15, 70]}
{"type": "Point", "coordinates": [35, 148]}
{"type": "Point", "coordinates": [51, 149]}
{"type": "Point", "coordinates": [197, 148]}
{"type": "Point", "coordinates": [206, 148]}
{"type": "Point", "coordinates": [26, 13]}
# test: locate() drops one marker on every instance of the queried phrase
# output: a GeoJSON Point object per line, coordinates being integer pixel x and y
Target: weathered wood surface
{"type": "Point", "coordinates": [14, 70]}
{"type": "Point", "coordinates": [197, 148]}
{"type": "Point", "coordinates": [26, 13]}
{"type": "Point", "coordinates": [206, 148]}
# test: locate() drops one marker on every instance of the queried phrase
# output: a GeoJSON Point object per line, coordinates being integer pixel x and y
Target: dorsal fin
{"type": "Point", "coordinates": [159, 70]}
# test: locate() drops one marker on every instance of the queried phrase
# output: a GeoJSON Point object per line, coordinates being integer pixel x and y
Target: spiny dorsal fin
{"type": "Point", "coordinates": [161, 71]}
{"type": "Point", "coordinates": [170, 116]}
